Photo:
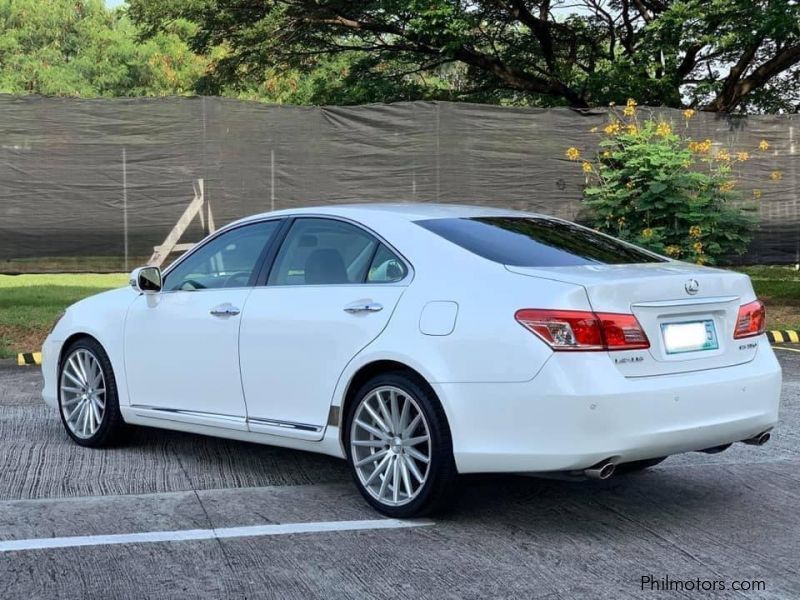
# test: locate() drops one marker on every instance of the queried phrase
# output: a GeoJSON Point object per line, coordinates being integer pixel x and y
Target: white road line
{"type": "Point", "coordinates": [182, 535]}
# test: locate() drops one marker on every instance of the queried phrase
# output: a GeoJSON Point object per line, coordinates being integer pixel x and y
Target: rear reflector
{"type": "Point", "coordinates": [752, 320]}
{"type": "Point", "coordinates": [584, 330]}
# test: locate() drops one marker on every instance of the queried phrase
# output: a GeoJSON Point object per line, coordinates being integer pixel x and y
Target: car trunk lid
{"type": "Point", "coordinates": [661, 296]}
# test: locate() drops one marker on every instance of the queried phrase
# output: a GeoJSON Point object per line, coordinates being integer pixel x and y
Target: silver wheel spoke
{"type": "Point", "coordinates": [369, 443]}
{"type": "Point", "coordinates": [404, 475]}
{"type": "Point", "coordinates": [383, 410]}
{"type": "Point", "coordinates": [373, 430]}
{"type": "Point", "coordinates": [390, 445]}
{"type": "Point", "coordinates": [396, 478]}
{"type": "Point", "coordinates": [376, 418]}
{"type": "Point", "coordinates": [417, 454]}
{"type": "Point", "coordinates": [83, 406]}
{"type": "Point", "coordinates": [404, 416]}
{"type": "Point", "coordinates": [412, 426]}
{"type": "Point", "coordinates": [413, 468]}
{"type": "Point", "coordinates": [371, 458]}
{"type": "Point", "coordinates": [378, 470]}
{"type": "Point", "coordinates": [74, 372]}
{"type": "Point", "coordinates": [395, 411]}
{"type": "Point", "coordinates": [385, 482]}
{"type": "Point", "coordinates": [416, 440]}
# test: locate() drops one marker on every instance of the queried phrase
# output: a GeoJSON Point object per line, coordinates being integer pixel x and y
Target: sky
{"type": "Point", "coordinates": [114, 3]}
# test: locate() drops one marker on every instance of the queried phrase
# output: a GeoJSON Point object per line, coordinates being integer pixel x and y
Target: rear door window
{"type": "Point", "coordinates": [536, 242]}
{"type": "Point", "coordinates": [320, 251]}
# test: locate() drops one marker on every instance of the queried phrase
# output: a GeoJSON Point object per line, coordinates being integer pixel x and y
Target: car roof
{"type": "Point", "coordinates": [409, 211]}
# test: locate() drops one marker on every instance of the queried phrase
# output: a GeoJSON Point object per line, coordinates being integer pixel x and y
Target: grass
{"type": "Point", "coordinates": [30, 303]}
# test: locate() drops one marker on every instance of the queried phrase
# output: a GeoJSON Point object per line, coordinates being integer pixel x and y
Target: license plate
{"type": "Point", "coordinates": [694, 336]}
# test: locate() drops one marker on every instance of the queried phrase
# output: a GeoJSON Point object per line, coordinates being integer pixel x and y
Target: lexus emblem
{"type": "Point", "coordinates": [692, 287]}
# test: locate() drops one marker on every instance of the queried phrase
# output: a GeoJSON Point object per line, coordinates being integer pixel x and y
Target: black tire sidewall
{"type": "Point", "coordinates": [442, 470]}
{"type": "Point", "coordinates": [112, 419]}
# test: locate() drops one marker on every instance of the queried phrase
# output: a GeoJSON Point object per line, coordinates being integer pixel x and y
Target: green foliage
{"type": "Point", "coordinates": [648, 187]}
{"type": "Point", "coordinates": [723, 55]}
{"type": "Point", "coordinates": [79, 48]}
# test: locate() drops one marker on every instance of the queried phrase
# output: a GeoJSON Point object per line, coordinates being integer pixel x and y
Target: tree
{"type": "Point", "coordinates": [79, 48]}
{"type": "Point", "coordinates": [718, 55]}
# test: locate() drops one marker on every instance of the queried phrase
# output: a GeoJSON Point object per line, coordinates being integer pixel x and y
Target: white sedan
{"type": "Point", "coordinates": [420, 341]}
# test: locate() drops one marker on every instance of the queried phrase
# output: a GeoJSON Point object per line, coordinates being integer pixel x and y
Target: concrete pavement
{"type": "Point", "coordinates": [728, 517]}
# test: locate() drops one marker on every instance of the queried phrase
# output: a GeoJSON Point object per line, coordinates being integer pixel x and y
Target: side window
{"type": "Point", "coordinates": [228, 260]}
{"type": "Point", "coordinates": [386, 267]}
{"type": "Point", "coordinates": [323, 251]}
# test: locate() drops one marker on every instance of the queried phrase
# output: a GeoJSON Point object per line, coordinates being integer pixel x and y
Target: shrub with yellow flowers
{"type": "Point", "coordinates": [653, 185]}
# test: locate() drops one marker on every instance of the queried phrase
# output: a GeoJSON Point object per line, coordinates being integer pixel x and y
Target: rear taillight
{"type": "Point", "coordinates": [584, 330]}
{"type": "Point", "coordinates": [752, 320]}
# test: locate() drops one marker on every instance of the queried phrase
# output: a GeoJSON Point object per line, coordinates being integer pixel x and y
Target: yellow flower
{"type": "Point", "coordinates": [742, 156]}
{"type": "Point", "coordinates": [757, 194]}
{"type": "Point", "coordinates": [776, 176]}
{"type": "Point", "coordinates": [631, 103]}
{"type": "Point", "coordinates": [697, 247]}
{"type": "Point", "coordinates": [723, 155]}
{"type": "Point", "coordinates": [695, 231]}
{"type": "Point", "coordinates": [629, 111]}
{"type": "Point", "coordinates": [727, 186]}
{"type": "Point", "coordinates": [663, 129]}
{"type": "Point", "coordinates": [632, 129]}
{"type": "Point", "coordinates": [701, 260]}
{"type": "Point", "coordinates": [763, 145]}
{"type": "Point", "coordinates": [647, 233]}
{"type": "Point", "coordinates": [672, 250]}
{"type": "Point", "coordinates": [686, 164]}
{"type": "Point", "coordinates": [586, 166]}
{"type": "Point", "coordinates": [606, 154]}
{"type": "Point", "coordinates": [593, 130]}
{"type": "Point", "coordinates": [688, 114]}
{"type": "Point", "coordinates": [612, 128]}
{"type": "Point", "coordinates": [698, 147]}
{"type": "Point", "coordinates": [573, 153]}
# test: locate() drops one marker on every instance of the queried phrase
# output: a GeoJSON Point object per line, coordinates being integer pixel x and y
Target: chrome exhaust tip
{"type": "Point", "coordinates": [759, 440]}
{"type": "Point", "coordinates": [604, 470]}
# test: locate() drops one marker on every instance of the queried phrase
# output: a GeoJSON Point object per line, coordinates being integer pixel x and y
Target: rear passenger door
{"type": "Point", "coordinates": [331, 290]}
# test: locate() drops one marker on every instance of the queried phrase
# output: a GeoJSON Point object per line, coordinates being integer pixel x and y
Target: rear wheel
{"type": "Point", "coordinates": [87, 395]}
{"type": "Point", "coordinates": [399, 446]}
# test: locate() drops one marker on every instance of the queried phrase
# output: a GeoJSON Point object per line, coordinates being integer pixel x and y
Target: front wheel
{"type": "Point", "coordinates": [399, 446]}
{"type": "Point", "coordinates": [87, 395]}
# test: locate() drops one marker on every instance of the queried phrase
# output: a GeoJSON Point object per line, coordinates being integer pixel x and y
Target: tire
{"type": "Point", "coordinates": [401, 460]}
{"type": "Point", "coordinates": [83, 373]}
{"type": "Point", "coordinates": [640, 465]}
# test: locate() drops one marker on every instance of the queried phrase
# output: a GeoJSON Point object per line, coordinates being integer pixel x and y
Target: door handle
{"type": "Point", "coordinates": [225, 310]}
{"type": "Point", "coordinates": [363, 306]}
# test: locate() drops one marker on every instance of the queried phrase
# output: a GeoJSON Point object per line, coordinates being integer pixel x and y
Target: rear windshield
{"type": "Point", "coordinates": [536, 242]}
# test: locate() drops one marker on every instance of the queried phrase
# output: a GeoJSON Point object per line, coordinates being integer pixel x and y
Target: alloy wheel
{"type": "Point", "coordinates": [390, 445]}
{"type": "Point", "coordinates": [82, 393]}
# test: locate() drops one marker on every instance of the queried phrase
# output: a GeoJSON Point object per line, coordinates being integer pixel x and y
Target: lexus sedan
{"type": "Point", "coordinates": [421, 341]}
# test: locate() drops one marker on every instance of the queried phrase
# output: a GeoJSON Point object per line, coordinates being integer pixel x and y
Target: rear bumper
{"type": "Point", "coordinates": [579, 410]}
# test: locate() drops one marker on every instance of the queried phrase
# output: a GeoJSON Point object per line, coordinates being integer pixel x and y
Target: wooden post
{"type": "Point", "coordinates": [170, 245]}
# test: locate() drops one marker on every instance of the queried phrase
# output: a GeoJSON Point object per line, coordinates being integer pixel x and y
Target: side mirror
{"type": "Point", "coordinates": [146, 280]}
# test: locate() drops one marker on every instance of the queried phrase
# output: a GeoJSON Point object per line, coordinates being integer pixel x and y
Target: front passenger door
{"type": "Point", "coordinates": [331, 291]}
